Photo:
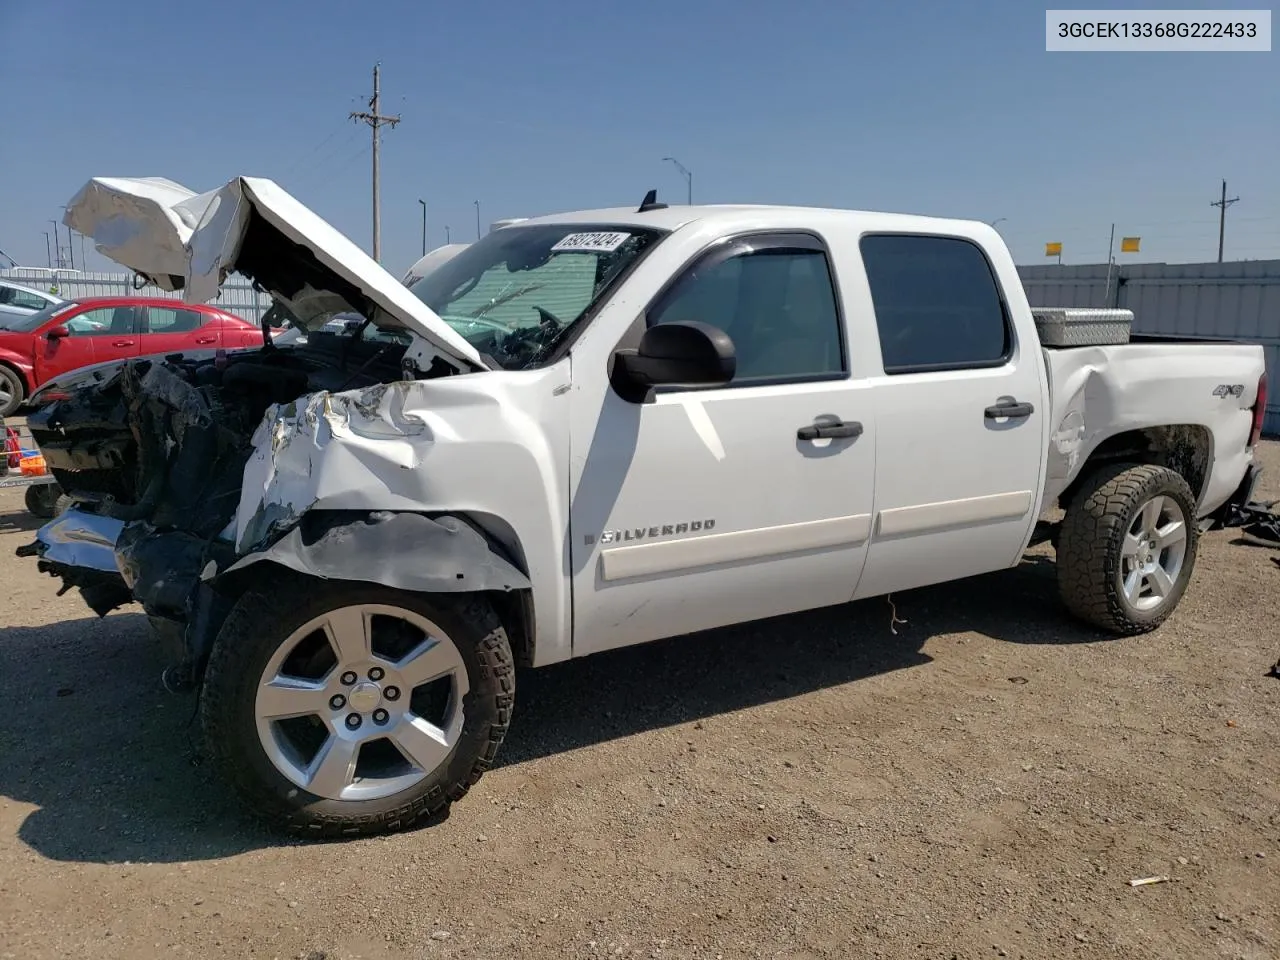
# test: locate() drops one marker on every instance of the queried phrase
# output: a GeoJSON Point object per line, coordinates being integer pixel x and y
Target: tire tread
{"type": "Point", "coordinates": [1092, 534]}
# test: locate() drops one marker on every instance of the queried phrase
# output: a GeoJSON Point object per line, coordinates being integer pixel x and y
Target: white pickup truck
{"type": "Point", "coordinates": [585, 431]}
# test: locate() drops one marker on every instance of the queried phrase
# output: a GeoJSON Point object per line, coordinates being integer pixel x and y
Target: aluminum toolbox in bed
{"type": "Point", "coordinates": [1082, 326]}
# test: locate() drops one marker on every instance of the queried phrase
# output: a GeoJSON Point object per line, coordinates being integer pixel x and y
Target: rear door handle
{"type": "Point", "coordinates": [1009, 408]}
{"type": "Point", "coordinates": [122, 343]}
{"type": "Point", "coordinates": [841, 429]}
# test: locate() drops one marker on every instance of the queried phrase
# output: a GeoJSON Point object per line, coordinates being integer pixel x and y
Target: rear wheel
{"type": "Point", "coordinates": [1127, 547]}
{"type": "Point", "coordinates": [355, 709]}
{"type": "Point", "coordinates": [12, 391]}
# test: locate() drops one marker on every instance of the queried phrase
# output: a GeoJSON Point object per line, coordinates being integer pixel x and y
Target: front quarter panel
{"type": "Point", "coordinates": [491, 447]}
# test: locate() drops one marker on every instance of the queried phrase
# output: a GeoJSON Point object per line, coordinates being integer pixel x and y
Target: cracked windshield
{"type": "Point", "coordinates": [516, 294]}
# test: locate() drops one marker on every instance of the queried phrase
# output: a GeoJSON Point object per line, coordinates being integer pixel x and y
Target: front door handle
{"type": "Point", "coordinates": [1009, 408]}
{"type": "Point", "coordinates": [841, 429]}
{"type": "Point", "coordinates": [122, 343]}
{"type": "Point", "coordinates": [206, 339]}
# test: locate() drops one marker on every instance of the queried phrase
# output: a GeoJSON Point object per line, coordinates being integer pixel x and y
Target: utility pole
{"type": "Point", "coordinates": [376, 121]}
{"type": "Point", "coordinates": [1222, 216]}
{"type": "Point", "coordinates": [58, 262]}
{"type": "Point", "coordinates": [424, 226]}
{"type": "Point", "coordinates": [477, 203]}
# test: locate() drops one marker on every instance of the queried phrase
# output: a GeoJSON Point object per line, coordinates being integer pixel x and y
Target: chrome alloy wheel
{"type": "Point", "coordinates": [362, 702]}
{"type": "Point", "coordinates": [1152, 554]}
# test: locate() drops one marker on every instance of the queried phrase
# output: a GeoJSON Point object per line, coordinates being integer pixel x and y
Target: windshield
{"type": "Point", "coordinates": [33, 321]}
{"type": "Point", "coordinates": [515, 293]}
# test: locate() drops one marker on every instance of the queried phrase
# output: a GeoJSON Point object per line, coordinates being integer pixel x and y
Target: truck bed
{"type": "Point", "coordinates": [1151, 383]}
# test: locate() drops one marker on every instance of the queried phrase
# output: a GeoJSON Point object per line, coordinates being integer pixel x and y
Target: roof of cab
{"type": "Point", "coordinates": [733, 215]}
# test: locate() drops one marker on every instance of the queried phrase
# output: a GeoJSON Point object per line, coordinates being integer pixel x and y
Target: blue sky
{"type": "Point", "coordinates": [943, 108]}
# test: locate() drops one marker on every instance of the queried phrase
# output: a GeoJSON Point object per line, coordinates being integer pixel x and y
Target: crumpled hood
{"type": "Point", "coordinates": [185, 241]}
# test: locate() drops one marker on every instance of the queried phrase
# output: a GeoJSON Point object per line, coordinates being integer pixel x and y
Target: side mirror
{"type": "Point", "coordinates": [58, 332]}
{"type": "Point", "coordinates": [682, 354]}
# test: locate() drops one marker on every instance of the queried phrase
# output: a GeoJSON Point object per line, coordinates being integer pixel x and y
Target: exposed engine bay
{"type": "Point", "coordinates": [161, 447]}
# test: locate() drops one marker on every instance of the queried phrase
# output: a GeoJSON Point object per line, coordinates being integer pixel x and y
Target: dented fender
{"type": "Point", "coordinates": [401, 550]}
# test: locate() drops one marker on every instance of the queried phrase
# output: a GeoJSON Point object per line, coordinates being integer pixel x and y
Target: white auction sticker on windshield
{"type": "Point", "coordinates": [591, 242]}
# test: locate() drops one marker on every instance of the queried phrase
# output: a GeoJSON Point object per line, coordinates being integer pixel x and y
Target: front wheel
{"type": "Point", "coordinates": [12, 391]}
{"type": "Point", "coordinates": [41, 500]}
{"type": "Point", "coordinates": [1127, 547]}
{"type": "Point", "coordinates": [342, 709]}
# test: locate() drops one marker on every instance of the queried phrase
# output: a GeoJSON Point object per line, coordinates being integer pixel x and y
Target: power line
{"type": "Point", "coordinates": [1222, 216]}
{"type": "Point", "coordinates": [307, 155]}
{"type": "Point", "coordinates": [376, 122]}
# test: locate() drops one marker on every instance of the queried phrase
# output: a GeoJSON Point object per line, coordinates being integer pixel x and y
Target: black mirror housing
{"type": "Point", "coordinates": [682, 354]}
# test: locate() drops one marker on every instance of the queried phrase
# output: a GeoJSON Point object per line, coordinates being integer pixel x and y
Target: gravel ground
{"type": "Point", "coordinates": [981, 784]}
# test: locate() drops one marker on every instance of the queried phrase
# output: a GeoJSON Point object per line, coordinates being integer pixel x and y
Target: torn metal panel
{"type": "Point", "coordinates": [405, 551]}
{"type": "Point", "coordinates": [80, 539]}
{"type": "Point", "coordinates": [366, 443]}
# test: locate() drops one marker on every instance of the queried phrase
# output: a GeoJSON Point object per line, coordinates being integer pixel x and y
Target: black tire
{"type": "Point", "coordinates": [1091, 539]}
{"type": "Point", "coordinates": [41, 500]}
{"type": "Point", "coordinates": [13, 388]}
{"type": "Point", "coordinates": [263, 619]}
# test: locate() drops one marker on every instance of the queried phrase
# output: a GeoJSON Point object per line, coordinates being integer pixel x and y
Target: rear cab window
{"type": "Point", "coordinates": [937, 303]}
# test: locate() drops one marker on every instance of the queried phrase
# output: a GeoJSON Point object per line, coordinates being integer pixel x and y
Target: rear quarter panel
{"type": "Point", "coordinates": [1099, 392]}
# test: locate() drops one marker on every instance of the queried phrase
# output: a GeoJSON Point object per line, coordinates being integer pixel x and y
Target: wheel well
{"type": "Point", "coordinates": [514, 607]}
{"type": "Point", "coordinates": [1184, 448]}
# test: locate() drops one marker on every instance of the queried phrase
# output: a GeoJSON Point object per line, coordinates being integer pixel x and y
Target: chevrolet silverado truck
{"type": "Point", "coordinates": [590, 430]}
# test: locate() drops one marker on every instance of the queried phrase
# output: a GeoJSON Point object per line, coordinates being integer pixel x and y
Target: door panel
{"type": "Point", "coordinates": [956, 484]}
{"type": "Point", "coordinates": [98, 334]}
{"type": "Point", "coordinates": [706, 507]}
{"type": "Point", "coordinates": [178, 328]}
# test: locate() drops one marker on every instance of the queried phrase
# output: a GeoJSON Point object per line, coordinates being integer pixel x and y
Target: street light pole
{"type": "Point", "coordinates": [477, 203]}
{"type": "Point", "coordinates": [424, 226]}
{"type": "Point", "coordinates": [992, 223]}
{"type": "Point", "coordinates": [446, 234]}
{"type": "Point", "coordinates": [57, 244]}
{"type": "Point", "coordinates": [685, 172]}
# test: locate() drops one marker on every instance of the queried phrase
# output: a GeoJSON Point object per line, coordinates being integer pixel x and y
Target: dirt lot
{"type": "Point", "coordinates": [983, 784]}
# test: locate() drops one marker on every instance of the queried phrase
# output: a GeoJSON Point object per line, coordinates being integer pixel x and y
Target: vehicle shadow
{"type": "Point", "coordinates": [654, 685]}
{"type": "Point", "coordinates": [111, 762]}
{"type": "Point", "coordinates": [105, 753]}
{"type": "Point", "coordinates": [19, 521]}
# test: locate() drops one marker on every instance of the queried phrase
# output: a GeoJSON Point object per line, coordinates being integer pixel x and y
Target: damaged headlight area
{"type": "Point", "coordinates": [154, 457]}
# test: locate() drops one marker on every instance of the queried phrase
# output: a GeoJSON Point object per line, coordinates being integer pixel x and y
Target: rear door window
{"type": "Point", "coordinates": [937, 304]}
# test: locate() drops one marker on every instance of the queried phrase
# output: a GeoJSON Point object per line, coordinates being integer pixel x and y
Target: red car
{"type": "Point", "coordinates": [74, 334]}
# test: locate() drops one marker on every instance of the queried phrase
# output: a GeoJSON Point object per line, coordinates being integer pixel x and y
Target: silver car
{"type": "Point", "coordinates": [19, 301]}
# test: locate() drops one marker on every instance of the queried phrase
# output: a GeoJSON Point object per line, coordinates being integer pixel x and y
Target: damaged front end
{"type": "Point", "coordinates": [154, 456]}
{"type": "Point", "coordinates": [191, 474]}
{"type": "Point", "coordinates": [186, 475]}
